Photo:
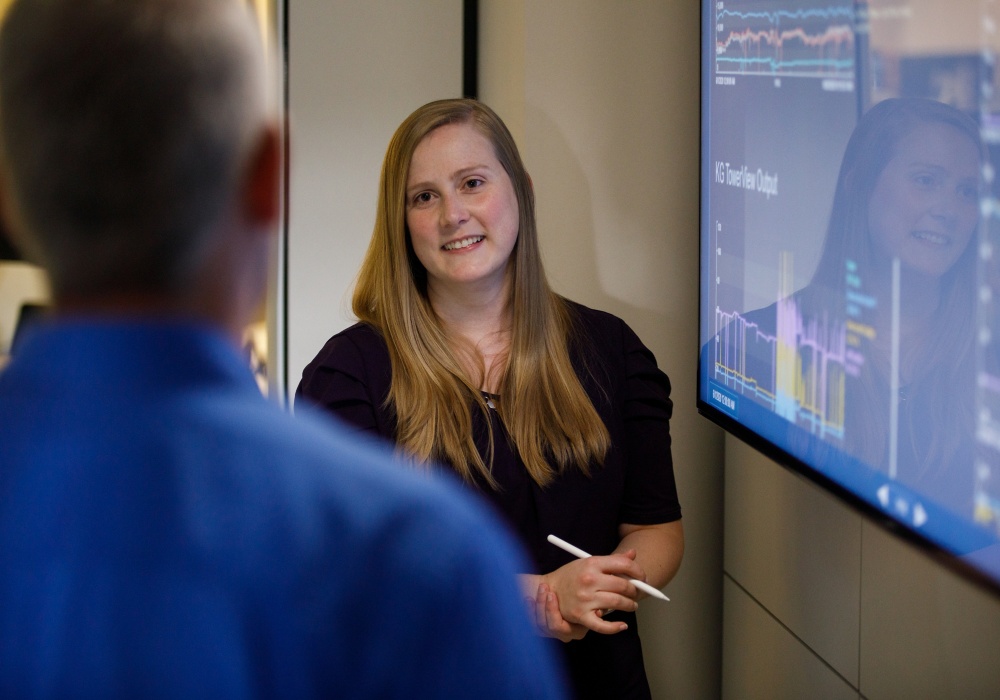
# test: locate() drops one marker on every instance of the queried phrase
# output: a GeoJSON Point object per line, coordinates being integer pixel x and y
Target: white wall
{"type": "Point", "coordinates": [355, 71]}
{"type": "Point", "coordinates": [603, 100]}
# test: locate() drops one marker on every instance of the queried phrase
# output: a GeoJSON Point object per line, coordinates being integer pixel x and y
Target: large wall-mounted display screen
{"type": "Point", "coordinates": [850, 254]}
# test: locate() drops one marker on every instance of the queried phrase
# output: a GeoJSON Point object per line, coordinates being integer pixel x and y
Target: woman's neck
{"type": "Point", "coordinates": [919, 299]}
{"type": "Point", "coordinates": [479, 322]}
{"type": "Point", "coordinates": [471, 312]}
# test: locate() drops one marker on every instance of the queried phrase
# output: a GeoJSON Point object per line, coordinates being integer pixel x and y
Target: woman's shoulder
{"type": "Point", "coordinates": [601, 339]}
{"type": "Point", "coordinates": [362, 334]}
{"type": "Point", "coordinates": [592, 319]}
{"type": "Point", "coordinates": [361, 338]}
{"type": "Point", "coordinates": [612, 353]}
{"type": "Point", "coordinates": [356, 351]}
{"type": "Point", "coordinates": [602, 329]}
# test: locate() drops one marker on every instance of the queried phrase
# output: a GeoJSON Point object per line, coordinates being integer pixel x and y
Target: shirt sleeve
{"type": "Point", "coordinates": [650, 490]}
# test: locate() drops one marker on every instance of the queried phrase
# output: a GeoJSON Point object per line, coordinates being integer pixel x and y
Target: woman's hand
{"type": "Point", "coordinates": [585, 589]}
{"type": "Point", "coordinates": [573, 599]}
{"type": "Point", "coordinates": [549, 620]}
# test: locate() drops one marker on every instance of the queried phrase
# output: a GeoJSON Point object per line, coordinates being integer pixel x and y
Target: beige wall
{"type": "Point", "coordinates": [822, 602]}
{"type": "Point", "coordinates": [603, 100]}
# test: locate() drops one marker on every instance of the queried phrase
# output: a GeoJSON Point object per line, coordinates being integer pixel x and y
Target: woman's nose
{"type": "Point", "coordinates": [946, 206]}
{"type": "Point", "coordinates": [453, 211]}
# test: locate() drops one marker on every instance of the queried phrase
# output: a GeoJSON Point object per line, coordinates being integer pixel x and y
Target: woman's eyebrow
{"type": "Point", "coordinates": [925, 164]}
{"type": "Point", "coordinates": [461, 172]}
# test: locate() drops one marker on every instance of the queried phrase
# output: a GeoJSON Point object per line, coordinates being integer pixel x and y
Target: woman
{"type": "Point", "coordinates": [897, 275]}
{"type": "Point", "coordinates": [556, 413]}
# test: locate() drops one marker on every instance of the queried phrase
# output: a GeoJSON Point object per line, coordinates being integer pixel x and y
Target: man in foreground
{"type": "Point", "coordinates": [164, 530]}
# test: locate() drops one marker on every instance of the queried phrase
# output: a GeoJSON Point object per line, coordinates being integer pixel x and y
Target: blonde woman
{"type": "Point", "coordinates": [464, 357]}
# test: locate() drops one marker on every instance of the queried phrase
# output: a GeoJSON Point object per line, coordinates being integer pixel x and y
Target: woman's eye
{"type": "Point", "coordinates": [924, 179]}
{"type": "Point", "coordinates": [969, 193]}
{"type": "Point", "coordinates": [473, 182]}
{"type": "Point", "coordinates": [422, 198]}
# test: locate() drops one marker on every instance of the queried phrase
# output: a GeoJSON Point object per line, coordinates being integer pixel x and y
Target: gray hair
{"type": "Point", "coordinates": [124, 129]}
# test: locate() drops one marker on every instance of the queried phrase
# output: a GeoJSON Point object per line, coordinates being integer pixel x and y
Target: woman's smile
{"type": "Point", "coordinates": [463, 243]}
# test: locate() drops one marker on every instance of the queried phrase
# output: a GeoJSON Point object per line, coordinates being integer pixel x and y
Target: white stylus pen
{"type": "Point", "coordinates": [580, 554]}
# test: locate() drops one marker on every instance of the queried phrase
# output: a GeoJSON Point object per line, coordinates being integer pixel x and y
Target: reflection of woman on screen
{"type": "Point", "coordinates": [898, 272]}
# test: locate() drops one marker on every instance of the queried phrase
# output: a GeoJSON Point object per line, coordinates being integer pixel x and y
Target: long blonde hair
{"type": "Point", "coordinates": [548, 415]}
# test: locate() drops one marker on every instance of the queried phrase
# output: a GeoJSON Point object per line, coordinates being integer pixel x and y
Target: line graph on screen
{"type": "Point", "coordinates": [794, 365]}
{"type": "Point", "coordinates": [772, 41]}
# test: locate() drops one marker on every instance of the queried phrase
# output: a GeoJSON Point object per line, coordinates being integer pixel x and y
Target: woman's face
{"type": "Point", "coordinates": [461, 210]}
{"type": "Point", "coordinates": [925, 205]}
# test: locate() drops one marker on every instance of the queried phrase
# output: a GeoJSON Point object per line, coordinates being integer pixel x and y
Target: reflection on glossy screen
{"type": "Point", "coordinates": [850, 308]}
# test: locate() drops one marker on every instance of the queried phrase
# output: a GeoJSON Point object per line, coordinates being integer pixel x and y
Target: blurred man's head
{"type": "Point", "coordinates": [131, 136]}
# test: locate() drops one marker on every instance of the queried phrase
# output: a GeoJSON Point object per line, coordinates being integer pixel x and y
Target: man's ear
{"type": "Point", "coordinates": [262, 187]}
{"type": "Point", "coordinates": [8, 235]}
{"type": "Point", "coordinates": [6, 242]}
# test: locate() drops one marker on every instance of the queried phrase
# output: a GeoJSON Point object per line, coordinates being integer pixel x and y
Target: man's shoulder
{"type": "Point", "coordinates": [331, 468]}
{"type": "Point", "coordinates": [343, 547]}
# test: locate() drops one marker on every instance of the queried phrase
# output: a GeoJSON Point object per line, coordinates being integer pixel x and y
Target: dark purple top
{"type": "Point", "coordinates": [350, 377]}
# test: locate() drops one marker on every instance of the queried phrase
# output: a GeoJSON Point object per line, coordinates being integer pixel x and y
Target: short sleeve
{"type": "Point", "coordinates": [650, 490]}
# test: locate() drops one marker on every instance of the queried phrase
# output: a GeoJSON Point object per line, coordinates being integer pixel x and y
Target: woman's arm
{"type": "Point", "coordinates": [658, 549]}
